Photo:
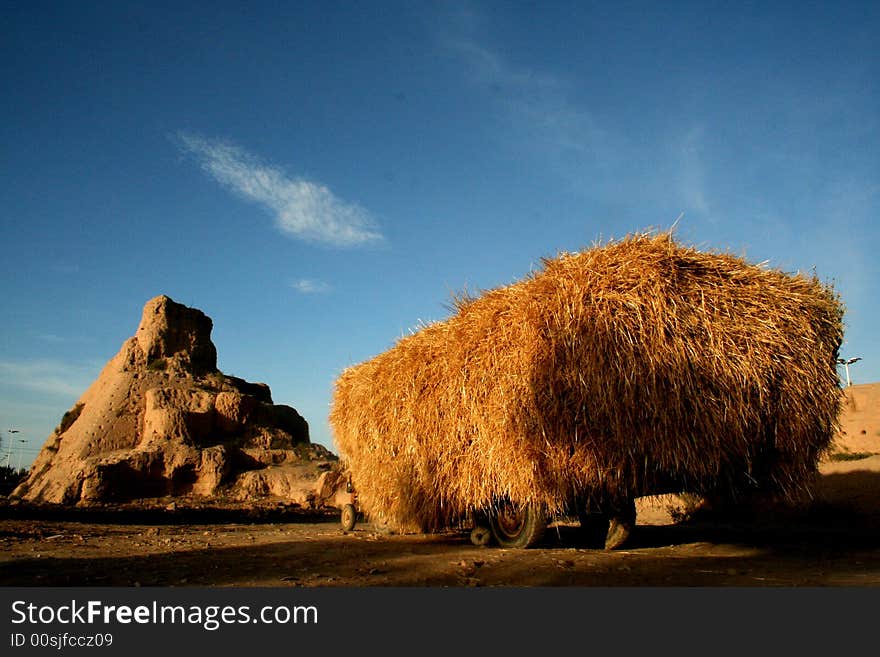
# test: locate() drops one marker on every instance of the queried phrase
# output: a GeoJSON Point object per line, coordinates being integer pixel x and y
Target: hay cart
{"type": "Point", "coordinates": [635, 368]}
{"type": "Point", "coordinates": [510, 525]}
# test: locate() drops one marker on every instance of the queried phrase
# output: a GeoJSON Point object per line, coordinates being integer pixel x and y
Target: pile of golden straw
{"type": "Point", "coordinates": [630, 368]}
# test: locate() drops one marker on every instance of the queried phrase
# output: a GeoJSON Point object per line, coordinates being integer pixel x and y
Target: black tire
{"type": "Point", "coordinates": [481, 536]}
{"type": "Point", "coordinates": [349, 517]}
{"type": "Point", "coordinates": [594, 528]}
{"type": "Point", "coordinates": [618, 533]}
{"type": "Point", "coordinates": [516, 526]}
{"type": "Point", "coordinates": [623, 522]}
{"type": "Point", "coordinates": [609, 528]}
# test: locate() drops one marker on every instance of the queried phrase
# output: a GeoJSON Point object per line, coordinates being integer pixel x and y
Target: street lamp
{"type": "Point", "coordinates": [846, 364]}
{"type": "Point", "coordinates": [9, 448]}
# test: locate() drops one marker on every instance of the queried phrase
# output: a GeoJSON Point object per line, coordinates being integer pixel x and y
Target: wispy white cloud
{"type": "Point", "coordinates": [840, 237]}
{"type": "Point", "coordinates": [692, 172]}
{"type": "Point", "coordinates": [302, 209]}
{"type": "Point", "coordinates": [539, 104]}
{"type": "Point", "coordinates": [51, 337]}
{"type": "Point", "coordinates": [310, 286]}
{"type": "Point", "coordinates": [550, 113]}
{"type": "Point", "coordinates": [60, 339]}
{"type": "Point", "coordinates": [50, 377]}
{"type": "Point", "coordinates": [545, 116]}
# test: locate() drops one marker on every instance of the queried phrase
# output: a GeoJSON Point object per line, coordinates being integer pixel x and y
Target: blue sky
{"type": "Point", "coordinates": [319, 177]}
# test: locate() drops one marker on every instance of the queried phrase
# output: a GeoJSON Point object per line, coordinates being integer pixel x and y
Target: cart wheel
{"type": "Point", "coordinates": [621, 525]}
{"type": "Point", "coordinates": [594, 528]}
{"type": "Point", "coordinates": [618, 532]}
{"type": "Point", "coordinates": [349, 517]}
{"type": "Point", "coordinates": [516, 526]}
{"type": "Point", "coordinates": [481, 535]}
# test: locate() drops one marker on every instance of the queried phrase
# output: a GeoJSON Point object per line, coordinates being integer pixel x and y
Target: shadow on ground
{"type": "Point", "coordinates": [835, 542]}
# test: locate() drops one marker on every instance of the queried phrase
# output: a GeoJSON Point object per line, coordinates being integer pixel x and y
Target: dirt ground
{"type": "Point", "coordinates": [834, 541]}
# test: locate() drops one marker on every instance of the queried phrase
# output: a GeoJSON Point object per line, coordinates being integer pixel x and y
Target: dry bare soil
{"type": "Point", "coordinates": [833, 542]}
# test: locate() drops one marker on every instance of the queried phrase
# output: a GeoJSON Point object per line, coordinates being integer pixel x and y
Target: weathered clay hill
{"type": "Point", "coordinates": [162, 420]}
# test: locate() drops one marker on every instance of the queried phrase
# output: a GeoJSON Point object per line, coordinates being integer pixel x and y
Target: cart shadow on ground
{"type": "Point", "coordinates": [832, 543]}
{"type": "Point", "coordinates": [680, 555]}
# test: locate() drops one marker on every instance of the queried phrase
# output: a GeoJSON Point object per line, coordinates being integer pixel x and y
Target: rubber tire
{"type": "Point", "coordinates": [594, 528]}
{"type": "Point", "coordinates": [526, 533]}
{"type": "Point", "coordinates": [623, 522]}
{"type": "Point", "coordinates": [619, 531]}
{"type": "Point", "coordinates": [481, 536]}
{"type": "Point", "coordinates": [349, 517]}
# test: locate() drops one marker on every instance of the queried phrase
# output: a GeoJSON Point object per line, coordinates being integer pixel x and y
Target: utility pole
{"type": "Point", "coordinates": [846, 364]}
{"type": "Point", "coordinates": [20, 451]}
{"type": "Point", "coordinates": [9, 448]}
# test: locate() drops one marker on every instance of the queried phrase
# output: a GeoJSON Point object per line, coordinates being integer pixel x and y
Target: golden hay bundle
{"type": "Point", "coordinates": [637, 367]}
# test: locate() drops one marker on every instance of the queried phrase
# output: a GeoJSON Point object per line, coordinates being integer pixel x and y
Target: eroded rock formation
{"type": "Point", "coordinates": [162, 420]}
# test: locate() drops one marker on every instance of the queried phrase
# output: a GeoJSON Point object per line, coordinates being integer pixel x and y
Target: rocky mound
{"type": "Point", "coordinates": [162, 420]}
